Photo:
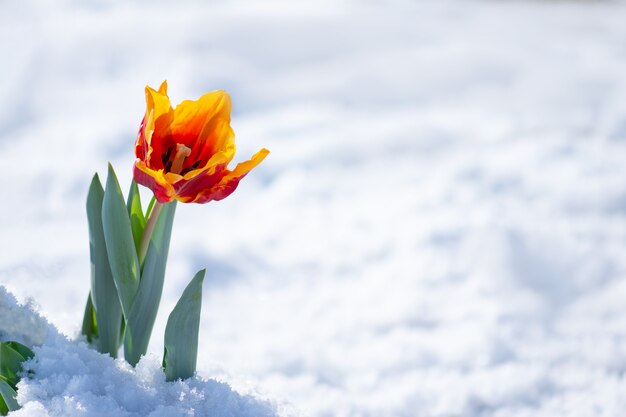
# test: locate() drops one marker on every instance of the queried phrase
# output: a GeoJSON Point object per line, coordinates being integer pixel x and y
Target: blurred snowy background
{"type": "Point", "coordinates": [440, 229]}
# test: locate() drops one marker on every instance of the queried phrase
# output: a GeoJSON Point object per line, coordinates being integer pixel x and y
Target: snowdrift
{"type": "Point", "coordinates": [68, 378]}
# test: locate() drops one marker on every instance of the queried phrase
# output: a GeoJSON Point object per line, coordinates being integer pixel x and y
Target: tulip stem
{"type": "Point", "coordinates": [182, 152]}
{"type": "Point", "coordinates": [147, 232]}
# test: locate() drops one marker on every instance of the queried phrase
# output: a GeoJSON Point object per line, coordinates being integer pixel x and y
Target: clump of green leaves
{"type": "Point", "coordinates": [128, 250]}
{"type": "Point", "coordinates": [12, 354]}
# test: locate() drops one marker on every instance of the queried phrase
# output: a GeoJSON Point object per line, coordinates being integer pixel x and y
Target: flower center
{"type": "Point", "coordinates": [182, 152]}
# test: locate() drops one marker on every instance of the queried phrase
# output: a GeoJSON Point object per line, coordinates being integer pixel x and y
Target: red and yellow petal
{"type": "Point", "coordinates": [154, 180]}
{"type": "Point", "coordinates": [159, 116]}
{"type": "Point", "coordinates": [203, 125]}
{"type": "Point", "coordinates": [222, 157]}
{"type": "Point", "coordinates": [217, 136]}
{"type": "Point", "coordinates": [187, 191]}
{"type": "Point", "coordinates": [192, 183]}
{"type": "Point", "coordinates": [229, 182]}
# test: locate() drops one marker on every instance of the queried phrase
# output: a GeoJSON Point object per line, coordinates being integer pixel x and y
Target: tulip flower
{"type": "Point", "coordinates": [183, 152]}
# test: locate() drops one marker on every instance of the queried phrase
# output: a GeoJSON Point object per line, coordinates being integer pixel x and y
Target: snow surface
{"type": "Point", "coordinates": [71, 379]}
{"type": "Point", "coordinates": [439, 230]}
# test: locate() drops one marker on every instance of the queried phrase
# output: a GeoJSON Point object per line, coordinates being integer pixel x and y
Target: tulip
{"type": "Point", "coordinates": [183, 152]}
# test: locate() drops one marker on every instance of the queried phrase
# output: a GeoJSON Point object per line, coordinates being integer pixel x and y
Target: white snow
{"type": "Point", "coordinates": [439, 230]}
{"type": "Point", "coordinates": [71, 379]}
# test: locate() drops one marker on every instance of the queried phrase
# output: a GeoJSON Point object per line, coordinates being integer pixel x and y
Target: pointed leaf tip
{"type": "Point", "coordinates": [181, 332]}
{"type": "Point", "coordinates": [120, 244]}
{"type": "Point", "coordinates": [103, 313]}
{"type": "Point", "coordinates": [135, 212]}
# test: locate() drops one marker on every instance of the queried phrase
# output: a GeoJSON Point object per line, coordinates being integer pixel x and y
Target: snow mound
{"type": "Point", "coordinates": [71, 379]}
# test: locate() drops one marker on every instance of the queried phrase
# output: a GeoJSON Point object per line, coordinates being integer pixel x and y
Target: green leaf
{"type": "Point", "coordinates": [146, 304]}
{"type": "Point", "coordinates": [11, 361]}
{"type": "Point", "coordinates": [8, 397]}
{"type": "Point", "coordinates": [90, 324]}
{"type": "Point", "coordinates": [120, 244]}
{"type": "Point", "coordinates": [12, 354]}
{"type": "Point", "coordinates": [181, 332]}
{"type": "Point", "coordinates": [137, 219]}
{"type": "Point", "coordinates": [23, 350]}
{"type": "Point", "coordinates": [104, 293]}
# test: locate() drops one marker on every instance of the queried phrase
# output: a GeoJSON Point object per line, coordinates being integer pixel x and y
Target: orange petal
{"type": "Point", "coordinates": [163, 87]}
{"type": "Point", "coordinates": [159, 114]}
{"type": "Point", "coordinates": [204, 124]}
{"type": "Point", "coordinates": [222, 157]}
{"type": "Point", "coordinates": [230, 181]}
{"type": "Point", "coordinates": [154, 180]}
{"type": "Point", "coordinates": [189, 190]}
{"type": "Point", "coordinates": [196, 181]}
{"type": "Point", "coordinates": [217, 136]}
